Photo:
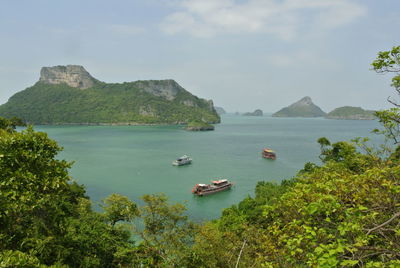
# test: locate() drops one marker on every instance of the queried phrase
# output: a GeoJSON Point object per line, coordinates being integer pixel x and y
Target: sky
{"type": "Point", "coordinates": [242, 54]}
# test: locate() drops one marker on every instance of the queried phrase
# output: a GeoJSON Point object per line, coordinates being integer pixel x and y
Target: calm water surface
{"type": "Point", "coordinates": [136, 160]}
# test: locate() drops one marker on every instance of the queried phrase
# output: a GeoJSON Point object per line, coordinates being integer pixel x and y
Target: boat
{"type": "Point", "coordinates": [215, 187]}
{"type": "Point", "coordinates": [183, 160]}
{"type": "Point", "coordinates": [268, 153]}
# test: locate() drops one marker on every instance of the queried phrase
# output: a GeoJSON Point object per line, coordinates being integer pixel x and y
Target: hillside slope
{"type": "Point", "coordinates": [351, 113]}
{"type": "Point", "coordinates": [64, 98]}
{"type": "Point", "coordinates": [302, 108]}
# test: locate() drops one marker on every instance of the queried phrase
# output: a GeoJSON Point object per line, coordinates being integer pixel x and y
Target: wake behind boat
{"type": "Point", "coordinates": [183, 160]}
{"type": "Point", "coordinates": [214, 187]}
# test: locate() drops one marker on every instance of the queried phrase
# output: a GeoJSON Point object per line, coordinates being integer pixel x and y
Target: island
{"type": "Point", "coordinates": [351, 113]}
{"type": "Point", "coordinates": [70, 95]}
{"type": "Point", "coordinates": [219, 110]}
{"type": "Point", "coordinates": [302, 108]}
{"type": "Point", "coordinates": [199, 126]}
{"type": "Point", "coordinates": [257, 112]}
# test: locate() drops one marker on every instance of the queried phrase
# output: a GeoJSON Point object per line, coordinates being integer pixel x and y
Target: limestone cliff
{"type": "Point", "coordinates": [167, 89]}
{"type": "Point", "coordinates": [72, 75]}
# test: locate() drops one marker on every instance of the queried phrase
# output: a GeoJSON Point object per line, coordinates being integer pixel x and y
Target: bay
{"type": "Point", "coordinates": [136, 160]}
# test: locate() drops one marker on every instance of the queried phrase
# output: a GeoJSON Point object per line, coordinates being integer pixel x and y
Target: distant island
{"type": "Point", "coordinates": [219, 110]}
{"type": "Point", "coordinates": [70, 95]}
{"type": "Point", "coordinates": [351, 113]}
{"type": "Point", "coordinates": [302, 108]}
{"type": "Point", "coordinates": [257, 112]}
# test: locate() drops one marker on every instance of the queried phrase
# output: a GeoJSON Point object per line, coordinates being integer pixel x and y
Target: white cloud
{"type": "Point", "coordinates": [283, 18]}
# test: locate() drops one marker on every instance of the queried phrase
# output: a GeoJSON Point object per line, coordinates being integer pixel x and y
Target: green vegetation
{"type": "Point", "coordinates": [349, 112]}
{"type": "Point", "coordinates": [46, 218]}
{"type": "Point", "coordinates": [126, 103]}
{"type": "Point", "coordinates": [344, 212]}
{"type": "Point", "coordinates": [199, 125]}
{"type": "Point", "coordinates": [389, 62]}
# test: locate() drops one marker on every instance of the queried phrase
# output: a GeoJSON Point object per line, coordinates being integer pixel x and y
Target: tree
{"type": "Point", "coordinates": [167, 234]}
{"type": "Point", "coordinates": [119, 208]}
{"type": "Point", "coordinates": [10, 124]}
{"type": "Point", "coordinates": [45, 217]}
{"type": "Point", "coordinates": [389, 62]}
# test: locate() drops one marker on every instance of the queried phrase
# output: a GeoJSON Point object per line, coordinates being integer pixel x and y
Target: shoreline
{"type": "Point", "coordinates": [112, 124]}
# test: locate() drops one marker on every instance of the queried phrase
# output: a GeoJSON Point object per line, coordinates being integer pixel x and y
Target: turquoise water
{"type": "Point", "coordinates": [136, 160]}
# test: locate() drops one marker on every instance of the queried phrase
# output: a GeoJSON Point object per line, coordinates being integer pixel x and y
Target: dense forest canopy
{"type": "Point", "coordinates": [125, 103]}
{"type": "Point", "coordinates": [349, 112]}
{"type": "Point", "coordinates": [344, 212]}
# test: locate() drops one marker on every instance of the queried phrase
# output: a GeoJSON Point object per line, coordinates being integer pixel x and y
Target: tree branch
{"type": "Point", "coordinates": [393, 102]}
{"type": "Point", "coordinates": [240, 254]}
{"type": "Point", "coordinates": [385, 223]}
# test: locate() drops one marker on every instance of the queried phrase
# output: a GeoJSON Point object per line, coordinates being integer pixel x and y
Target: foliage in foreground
{"type": "Point", "coordinates": [343, 213]}
{"type": "Point", "coordinates": [46, 218]}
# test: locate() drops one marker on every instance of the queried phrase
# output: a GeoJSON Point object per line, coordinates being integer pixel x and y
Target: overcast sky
{"type": "Point", "coordinates": [242, 54]}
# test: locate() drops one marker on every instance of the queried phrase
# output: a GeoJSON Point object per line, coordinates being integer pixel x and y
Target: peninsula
{"type": "Point", "coordinates": [302, 108]}
{"type": "Point", "coordinates": [70, 95]}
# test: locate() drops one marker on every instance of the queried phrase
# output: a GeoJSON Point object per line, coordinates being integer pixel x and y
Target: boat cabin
{"type": "Point", "coordinates": [219, 182]}
{"type": "Point", "coordinates": [182, 158]}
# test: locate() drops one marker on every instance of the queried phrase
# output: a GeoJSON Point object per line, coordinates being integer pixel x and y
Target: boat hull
{"type": "Point", "coordinates": [269, 157]}
{"type": "Point", "coordinates": [213, 191]}
{"type": "Point", "coordinates": [176, 163]}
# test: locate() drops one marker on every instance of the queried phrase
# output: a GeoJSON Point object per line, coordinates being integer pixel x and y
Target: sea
{"type": "Point", "coordinates": [136, 160]}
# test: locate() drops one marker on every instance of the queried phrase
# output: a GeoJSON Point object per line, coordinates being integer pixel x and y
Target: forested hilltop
{"type": "Point", "coordinates": [69, 95]}
{"type": "Point", "coordinates": [344, 212]}
{"type": "Point", "coordinates": [351, 113]}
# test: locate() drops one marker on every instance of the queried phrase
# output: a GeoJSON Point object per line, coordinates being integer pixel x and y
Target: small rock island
{"type": "Point", "coordinates": [302, 108]}
{"type": "Point", "coordinates": [199, 126]}
{"type": "Point", "coordinates": [257, 112]}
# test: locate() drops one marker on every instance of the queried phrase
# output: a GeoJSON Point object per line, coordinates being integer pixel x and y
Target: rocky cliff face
{"type": "Point", "coordinates": [306, 101]}
{"type": "Point", "coordinates": [167, 89]}
{"type": "Point", "coordinates": [302, 108]}
{"type": "Point", "coordinates": [72, 75]}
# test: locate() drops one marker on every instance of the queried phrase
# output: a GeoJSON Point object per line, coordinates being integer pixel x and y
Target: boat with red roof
{"type": "Point", "coordinates": [215, 187]}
